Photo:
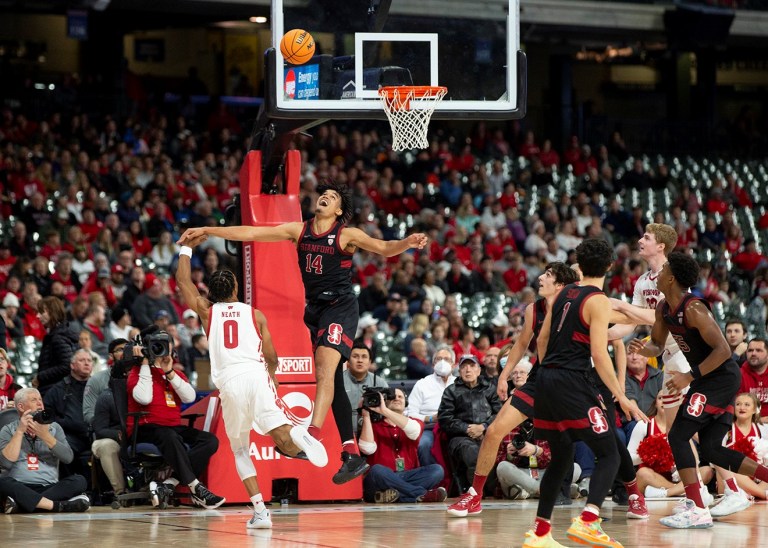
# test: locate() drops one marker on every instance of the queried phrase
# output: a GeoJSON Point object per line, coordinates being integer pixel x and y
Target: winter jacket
{"type": "Point", "coordinates": [462, 406]}
{"type": "Point", "coordinates": [59, 346]}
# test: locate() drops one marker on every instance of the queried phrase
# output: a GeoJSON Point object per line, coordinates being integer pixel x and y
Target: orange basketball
{"type": "Point", "coordinates": [297, 46]}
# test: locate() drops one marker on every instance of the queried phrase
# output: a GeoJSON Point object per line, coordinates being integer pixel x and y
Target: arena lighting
{"type": "Point", "coordinates": [259, 19]}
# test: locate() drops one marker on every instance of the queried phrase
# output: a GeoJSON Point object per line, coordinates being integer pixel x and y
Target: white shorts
{"type": "Point", "coordinates": [673, 362]}
{"type": "Point", "coordinates": [251, 401]}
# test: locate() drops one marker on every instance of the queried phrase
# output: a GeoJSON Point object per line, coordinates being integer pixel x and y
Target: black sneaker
{"type": "Point", "coordinates": [80, 503]}
{"type": "Point", "coordinates": [11, 507]}
{"type": "Point", "coordinates": [562, 499]}
{"type": "Point", "coordinates": [301, 455]}
{"type": "Point", "coordinates": [620, 496]}
{"type": "Point", "coordinates": [204, 498]}
{"type": "Point", "coordinates": [353, 466]}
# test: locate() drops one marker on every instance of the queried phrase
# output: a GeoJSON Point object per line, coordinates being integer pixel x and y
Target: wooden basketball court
{"type": "Point", "coordinates": [502, 523]}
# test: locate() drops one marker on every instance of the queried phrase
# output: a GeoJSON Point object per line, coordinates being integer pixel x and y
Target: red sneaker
{"type": "Point", "coordinates": [434, 495]}
{"type": "Point", "coordinates": [637, 508]}
{"type": "Point", "coordinates": [468, 504]}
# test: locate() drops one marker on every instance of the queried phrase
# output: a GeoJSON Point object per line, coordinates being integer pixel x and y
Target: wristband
{"type": "Point", "coordinates": [186, 250]}
{"type": "Point", "coordinates": [166, 373]}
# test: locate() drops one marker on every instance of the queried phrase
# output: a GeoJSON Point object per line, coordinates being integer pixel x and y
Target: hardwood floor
{"type": "Point", "coordinates": [501, 523]}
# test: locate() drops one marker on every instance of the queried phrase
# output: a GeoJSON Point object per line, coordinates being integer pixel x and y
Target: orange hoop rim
{"type": "Point", "coordinates": [388, 92]}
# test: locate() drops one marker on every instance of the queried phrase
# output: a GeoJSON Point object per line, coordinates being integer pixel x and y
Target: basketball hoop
{"type": "Point", "coordinates": [409, 109]}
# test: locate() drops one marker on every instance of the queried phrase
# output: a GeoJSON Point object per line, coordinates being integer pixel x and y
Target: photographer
{"type": "Point", "coordinates": [157, 389]}
{"type": "Point", "coordinates": [521, 462]}
{"type": "Point", "coordinates": [30, 451]}
{"type": "Point", "coordinates": [391, 443]}
{"type": "Point", "coordinates": [357, 377]}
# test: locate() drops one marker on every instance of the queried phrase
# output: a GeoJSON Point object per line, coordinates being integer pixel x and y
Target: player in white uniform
{"type": "Point", "coordinates": [243, 364]}
{"type": "Point", "coordinates": [658, 241]}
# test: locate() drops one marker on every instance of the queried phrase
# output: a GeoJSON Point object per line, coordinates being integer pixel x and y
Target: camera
{"type": "Point", "coordinates": [372, 396]}
{"type": "Point", "coordinates": [524, 434]}
{"type": "Point", "coordinates": [43, 416]}
{"type": "Point", "coordinates": [157, 345]}
{"type": "Point", "coordinates": [518, 442]}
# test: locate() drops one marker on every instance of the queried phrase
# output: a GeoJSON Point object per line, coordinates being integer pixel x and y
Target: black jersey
{"type": "Point", "coordinates": [690, 341]}
{"type": "Point", "coordinates": [326, 269]}
{"type": "Point", "coordinates": [568, 346]}
{"type": "Point", "coordinates": [539, 313]}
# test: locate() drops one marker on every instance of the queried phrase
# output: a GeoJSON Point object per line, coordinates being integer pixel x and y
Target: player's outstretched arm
{"type": "Point", "coordinates": [356, 237]}
{"type": "Point", "coordinates": [286, 231]}
{"type": "Point", "coordinates": [516, 352]}
{"type": "Point", "coordinates": [659, 334]}
{"type": "Point", "coordinates": [188, 289]}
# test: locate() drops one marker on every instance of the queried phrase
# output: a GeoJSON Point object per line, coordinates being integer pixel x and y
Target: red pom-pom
{"type": "Point", "coordinates": [656, 453]}
{"type": "Point", "coordinates": [747, 447]}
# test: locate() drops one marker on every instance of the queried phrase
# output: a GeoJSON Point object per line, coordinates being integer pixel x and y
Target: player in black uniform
{"type": "Point", "coordinates": [325, 247]}
{"type": "Point", "coordinates": [714, 381]}
{"type": "Point", "coordinates": [555, 277]}
{"type": "Point", "coordinates": [575, 333]}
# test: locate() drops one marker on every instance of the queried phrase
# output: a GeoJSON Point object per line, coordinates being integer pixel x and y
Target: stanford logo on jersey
{"type": "Point", "coordinates": [331, 239]}
{"type": "Point", "coordinates": [572, 294]}
{"type": "Point", "coordinates": [597, 419]}
{"type": "Point", "coordinates": [335, 331]}
{"type": "Point", "coordinates": [696, 404]}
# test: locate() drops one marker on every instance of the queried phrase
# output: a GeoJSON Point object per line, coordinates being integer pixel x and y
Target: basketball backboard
{"type": "Point", "coordinates": [472, 48]}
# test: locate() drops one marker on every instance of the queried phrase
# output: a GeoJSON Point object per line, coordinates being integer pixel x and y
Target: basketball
{"type": "Point", "coordinates": [297, 46]}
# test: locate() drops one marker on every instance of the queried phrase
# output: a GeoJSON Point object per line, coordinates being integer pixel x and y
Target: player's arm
{"type": "Point", "coordinates": [596, 312]}
{"type": "Point", "coordinates": [189, 290]}
{"type": "Point", "coordinates": [279, 233]}
{"type": "Point", "coordinates": [543, 339]}
{"type": "Point", "coordinates": [517, 351]}
{"type": "Point", "coordinates": [267, 348]}
{"type": "Point", "coordinates": [698, 316]}
{"type": "Point", "coordinates": [620, 358]}
{"type": "Point", "coordinates": [637, 314]}
{"type": "Point", "coordinates": [659, 334]}
{"type": "Point", "coordinates": [355, 237]}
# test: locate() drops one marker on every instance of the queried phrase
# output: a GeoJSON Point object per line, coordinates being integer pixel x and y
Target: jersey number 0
{"type": "Point", "coordinates": [230, 334]}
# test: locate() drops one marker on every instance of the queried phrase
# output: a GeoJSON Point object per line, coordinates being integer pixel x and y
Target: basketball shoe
{"type": "Point", "coordinates": [467, 505]}
{"type": "Point", "coordinates": [591, 533]}
{"type": "Point", "coordinates": [260, 520]}
{"type": "Point", "coordinates": [690, 518]}
{"type": "Point", "coordinates": [533, 541]}
{"type": "Point", "coordinates": [637, 508]}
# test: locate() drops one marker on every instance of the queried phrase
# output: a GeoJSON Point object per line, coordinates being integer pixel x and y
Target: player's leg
{"type": "Point", "coordinates": [326, 363]}
{"type": "Point", "coordinates": [240, 445]}
{"type": "Point", "coordinates": [291, 440]}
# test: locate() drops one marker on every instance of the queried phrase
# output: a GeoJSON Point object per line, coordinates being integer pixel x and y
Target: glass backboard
{"type": "Point", "coordinates": [470, 47]}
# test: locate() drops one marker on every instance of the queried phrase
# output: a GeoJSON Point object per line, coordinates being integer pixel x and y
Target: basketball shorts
{"type": "Point", "coordinates": [673, 362]}
{"type": "Point", "coordinates": [568, 407]}
{"type": "Point", "coordinates": [250, 401]}
{"type": "Point", "coordinates": [334, 323]}
{"type": "Point", "coordinates": [710, 398]}
{"type": "Point", "coordinates": [523, 398]}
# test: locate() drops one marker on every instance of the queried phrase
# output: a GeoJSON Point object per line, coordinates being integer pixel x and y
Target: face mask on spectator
{"type": "Point", "coordinates": [503, 362]}
{"type": "Point", "coordinates": [443, 368]}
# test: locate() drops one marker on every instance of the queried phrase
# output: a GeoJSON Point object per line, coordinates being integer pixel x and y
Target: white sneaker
{"type": "Point", "coordinates": [691, 518]}
{"type": "Point", "coordinates": [652, 492]}
{"type": "Point", "coordinates": [154, 494]}
{"type": "Point", "coordinates": [260, 520]}
{"type": "Point", "coordinates": [730, 504]}
{"type": "Point", "coordinates": [707, 498]}
{"type": "Point", "coordinates": [312, 447]}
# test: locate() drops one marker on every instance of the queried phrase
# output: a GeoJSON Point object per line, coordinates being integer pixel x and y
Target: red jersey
{"type": "Point", "coordinates": [516, 280]}
{"type": "Point", "coordinates": [392, 443]}
{"type": "Point", "coordinates": [757, 385]}
{"type": "Point", "coordinates": [165, 407]}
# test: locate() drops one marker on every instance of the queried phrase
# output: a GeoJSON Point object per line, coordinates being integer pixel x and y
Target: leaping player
{"type": "Point", "coordinates": [331, 312]}
{"type": "Point", "coordinates": [243, 363]}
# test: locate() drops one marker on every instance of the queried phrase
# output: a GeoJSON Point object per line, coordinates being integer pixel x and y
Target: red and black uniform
{"type": "Point", "coordinates": [707, 408]}
{"type": "Point", "coordinates": [522, 398]}
{"type": "Point", "coordinates": [332, 312]}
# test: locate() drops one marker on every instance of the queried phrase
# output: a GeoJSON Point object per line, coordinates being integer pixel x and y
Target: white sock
{"type": "Point", "coordinates": [193, 484]}
{"type": "Point", "coordinates": [258, 502]}
{"type": "Point", "coordinates": [472, 491]}
{"type": "Point", "coordinates": [173, 482]}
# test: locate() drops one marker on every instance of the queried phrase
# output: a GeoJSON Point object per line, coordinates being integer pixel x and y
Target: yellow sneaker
{"type": "Point", "coordinates": [591, 533]}
{"type": "Point", "coordinates": [532, 541]}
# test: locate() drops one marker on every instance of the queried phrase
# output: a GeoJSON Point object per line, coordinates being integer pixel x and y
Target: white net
{"type": "Point", "coordinates": [409, 110]}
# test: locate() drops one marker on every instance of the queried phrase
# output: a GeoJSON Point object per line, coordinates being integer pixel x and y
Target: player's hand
{"type": "Point", "coordinates": [193, 235]}
{"type": "Point", "coordinates": [635, 346]}
{"type": "Point", "coordinates": [678, 381]}
{"type": "Point", "coordinates": [502, 388]}
{"type": "Point", "coordinates": [418, 240]}
{"type": "Point", "coordinates": [631, 410]}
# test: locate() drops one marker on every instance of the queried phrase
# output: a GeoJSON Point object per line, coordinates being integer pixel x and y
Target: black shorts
{"type": "Point", "coordinates": [710, 398]}
{"type": "Point", "coordinates": [333, 323]}
{"type": "Point", "coordinates": [523, 398]}
{"type": "Point", "coordinates": [568, 406]}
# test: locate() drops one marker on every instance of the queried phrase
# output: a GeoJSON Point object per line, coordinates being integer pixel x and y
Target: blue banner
{"type": "Point", "coordinates": [77, 24]}
{"type": "Point", "coordinates": [302, 82]}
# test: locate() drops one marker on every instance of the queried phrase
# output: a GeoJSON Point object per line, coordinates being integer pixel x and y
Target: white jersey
{"type": "Point", "coordinates": [647, 295]}
{"type": "Point", "coordinates": [234, 342]}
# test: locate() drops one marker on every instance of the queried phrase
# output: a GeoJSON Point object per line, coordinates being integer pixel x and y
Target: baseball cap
{"type": "Point", "coordinates": [162, 314]}
{"type": "Point", "coordinates": [11, 300]}
{"type": "Point", "coordinates": [189, 313]}
{"type": "Point", "coordinates": [468, 358]}
{"type": "Point", "coordinates": [118, 268]}
{"type": "Point", "coordinates": [395, 297]}
{"type": "Point", "coordinates": [150, 280]}
{"type": "Point", "coordinates": [104, 272]}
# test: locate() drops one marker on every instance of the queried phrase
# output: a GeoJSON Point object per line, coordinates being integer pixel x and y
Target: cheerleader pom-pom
{"type": "Point", "coordinates": [656, 453]}
{"type": "Point", "coordinates": [746, 447]}
{"type": "Point", "coordinates": [761, 449]}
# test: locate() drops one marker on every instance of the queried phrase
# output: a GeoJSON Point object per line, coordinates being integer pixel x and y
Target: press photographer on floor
{"type": "Point", "coordinates": [391, 440]}
{"type": "Point", "coordinates": [157, 389]}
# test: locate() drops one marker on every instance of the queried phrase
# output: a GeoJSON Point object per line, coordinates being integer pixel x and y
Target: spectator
{"type": "Point", "coordinates": [465, 343]}
{"type": "Point", "coordinates": [65, 401]}
{"type": "Point", "coordinates": [491, 364]}
{"type": "Point", "coordinates": [30, 452]}
{"type": "Point", "coordinates": [164, 251]}
{"type": "Point", "coordinates": [391, 445]}
{"type": "Point", "coordinates": [198, 351]}
{"type": "Point", "coordinates": [100, 337]}
{"type": "Point", "coordinates": [82, 264]}
{"type": "Point", "coordinates": [520, 372]}
{"type": "Point", "coordinates": [425, 398]}
{"type": "Point", "coordinates": [8, 388]}
{"type": "Point", "coordinates": [31, 323]}
{"type": "Point", "coordinates": [486, 279]}
{"type": "Point", "coordinates": [754, 374]}
{"type": "Point", "coordinates": [108, 433]}
{"type": "Point", "coordinates": [186, 330]}
{"type": "Point", "coordinates": [120, 325]}
{"type": "Point", "coordinates": [59, 345]}
{"type": "Point", "coordinates": [84, 343]}
{"type": "Point", "coordinates": [642, 385]}
{"type": "Point", "coordinates": [358, 376]}
{"type": "Point", "coordinates": [743, 437]}
{"type": "Point", "coordinates": [159, 391]}
{"type": "Point", "coordinates": [99, 380]}
{"type": "Point", "coordinates": [13, 324]}
{"type": "Point", "coordinates": [64, 274]}
{"type": "Point", "coordinates": [417, 366]}
{"type": "Point", "coordinates": [148, 304]}
{"type": "Point", "coordinates": [736, 335]}
{"type": "Point", "coordinates": [367, 328]}
{"type": "Point", "coordinates": [516, 276]}
{"type": "Point", "coordinates": [101, 283]}
{"type": "Point", "coordinates": [756, 312]}
{"type": "Point", "coordinates": [466, 410]}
